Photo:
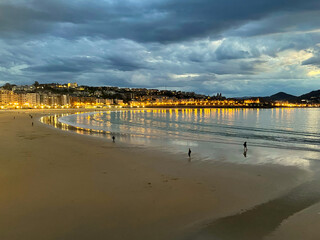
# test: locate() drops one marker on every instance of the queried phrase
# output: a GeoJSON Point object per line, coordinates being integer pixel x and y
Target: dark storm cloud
{"type": "Point", "coordinates": [235, 67]}
{"type": "Point", "coordinates": [315, 60]}
{"type": "Point", "coordinates": [228, 50]}
{"type": "Point", "coordinates": [123, 64]}
{"type": "Point", "coordinates": [86, 64]}
{"type": "Point", "coordinates": [72, 65]}
{"type": "Point", "coordinates": [231, 46]}
{"type": "Point", "coordinates": [304, 19]}
{"type": "Point", "coordinates": [312, 61]}
{"type": "Point", "coordinates": [144, 21]}
{"type": "Point", "coordinates": [53, 68]}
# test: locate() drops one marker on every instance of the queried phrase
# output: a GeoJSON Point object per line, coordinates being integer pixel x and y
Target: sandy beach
{"type": "Point", "coordinates": [62, 185]}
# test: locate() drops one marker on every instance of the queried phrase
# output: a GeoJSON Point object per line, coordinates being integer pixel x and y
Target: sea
{"type": "Point", "coordinates": [286, 136]}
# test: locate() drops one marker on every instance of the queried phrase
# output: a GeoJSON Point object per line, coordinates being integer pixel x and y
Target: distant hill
{"type": "Point", "coordinates": [311, 95]}
{"type": "Point", "coordinates": [282, 96]}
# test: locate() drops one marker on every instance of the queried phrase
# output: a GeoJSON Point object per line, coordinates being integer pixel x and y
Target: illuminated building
{"type": "Point", "coordinates": [72, 85]}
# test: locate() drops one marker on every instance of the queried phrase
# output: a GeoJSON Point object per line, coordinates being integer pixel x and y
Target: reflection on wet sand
{"type": "Point", "coordinates": [53, 120]}
{"type": "Point", "coordinates": [260, 221]}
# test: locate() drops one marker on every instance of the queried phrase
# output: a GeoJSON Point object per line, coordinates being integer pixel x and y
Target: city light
{"type": "Point", "coordinates": [47, 96]}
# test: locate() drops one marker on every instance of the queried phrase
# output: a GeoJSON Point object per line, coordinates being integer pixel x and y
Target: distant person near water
{"type": "Point", "coordinates": [189, 152]}
{"type": "Point", "coordinates": [245, 149]}
{"type": "Point", "coordinates": [245, 146]}
{"type": "Point", "coordinates": [113, 138]}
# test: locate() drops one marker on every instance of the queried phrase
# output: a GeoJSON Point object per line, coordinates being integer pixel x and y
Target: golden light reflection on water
{"type": "Point", "coordinates": [223, 116]}
{"type": "Point", "coordinates": [225, 124]}
{"type": "Point", "coordinates": [53, 120]}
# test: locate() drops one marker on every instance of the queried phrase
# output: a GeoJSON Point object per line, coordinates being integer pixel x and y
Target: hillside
{"type": "Point", "coordinates": [282, 96]}
{"type": "Point", "coordinates": [311, 95]}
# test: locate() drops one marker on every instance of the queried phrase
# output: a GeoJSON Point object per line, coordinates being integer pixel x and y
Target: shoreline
{"type": "Point", "coordinates": [156, 107]}
{"type": "Point", "coordinates": [235, 107]}
{"type": "Point", "coordinates": [154, 196]}
{"type": "Point", "coordinates": [54, 121]}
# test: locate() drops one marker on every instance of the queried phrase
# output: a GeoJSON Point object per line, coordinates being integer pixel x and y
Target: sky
{"type": "Point", "coordinates": [238, 48]}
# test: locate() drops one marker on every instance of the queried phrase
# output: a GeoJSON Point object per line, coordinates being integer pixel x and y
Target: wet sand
{"type": "Point", "coordinates": [61, 185]}
{"type": "Point", "coordinates": [263, 220]}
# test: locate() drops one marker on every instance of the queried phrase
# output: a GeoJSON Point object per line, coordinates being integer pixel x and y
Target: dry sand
{"type": "Point", "coordinates": [61, 185]}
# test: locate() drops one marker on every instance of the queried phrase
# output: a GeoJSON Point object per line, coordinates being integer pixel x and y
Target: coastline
{"type": "Point", "coordinates": [236, 107]}
{"type": "Point", "coordinates": [61, 185]}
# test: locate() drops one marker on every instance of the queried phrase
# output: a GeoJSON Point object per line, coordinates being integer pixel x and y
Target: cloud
{"type": "Point", "coordinates": [147, 21]}
{"type": "Point", "coordinates": [315, 59]}
{"type": "Point", "coordinates": [235, 47]}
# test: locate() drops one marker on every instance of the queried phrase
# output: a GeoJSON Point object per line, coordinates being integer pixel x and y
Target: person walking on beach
{"type": "Point", "coordinates": [113, 138]}
{"type": "Point", "coordinates": [32, 124]}
{"type": "Point", "coordinates": [189, 153]}
{"type": "Point", "coordinates": [245, 146]}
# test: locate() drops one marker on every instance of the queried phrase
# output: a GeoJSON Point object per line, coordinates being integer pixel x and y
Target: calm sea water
{"type": "Point", "coordinates": [280, 135]}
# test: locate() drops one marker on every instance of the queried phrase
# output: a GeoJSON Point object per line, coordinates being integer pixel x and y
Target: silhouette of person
{"type": "Point", "coordinates": [245, 146]}
{"type": "Point", "coordinates": [32, 124]}
{"type": "Point", "coordinates": [113, 138]}
{"type": "Point", "coordinates": [189, 152]}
